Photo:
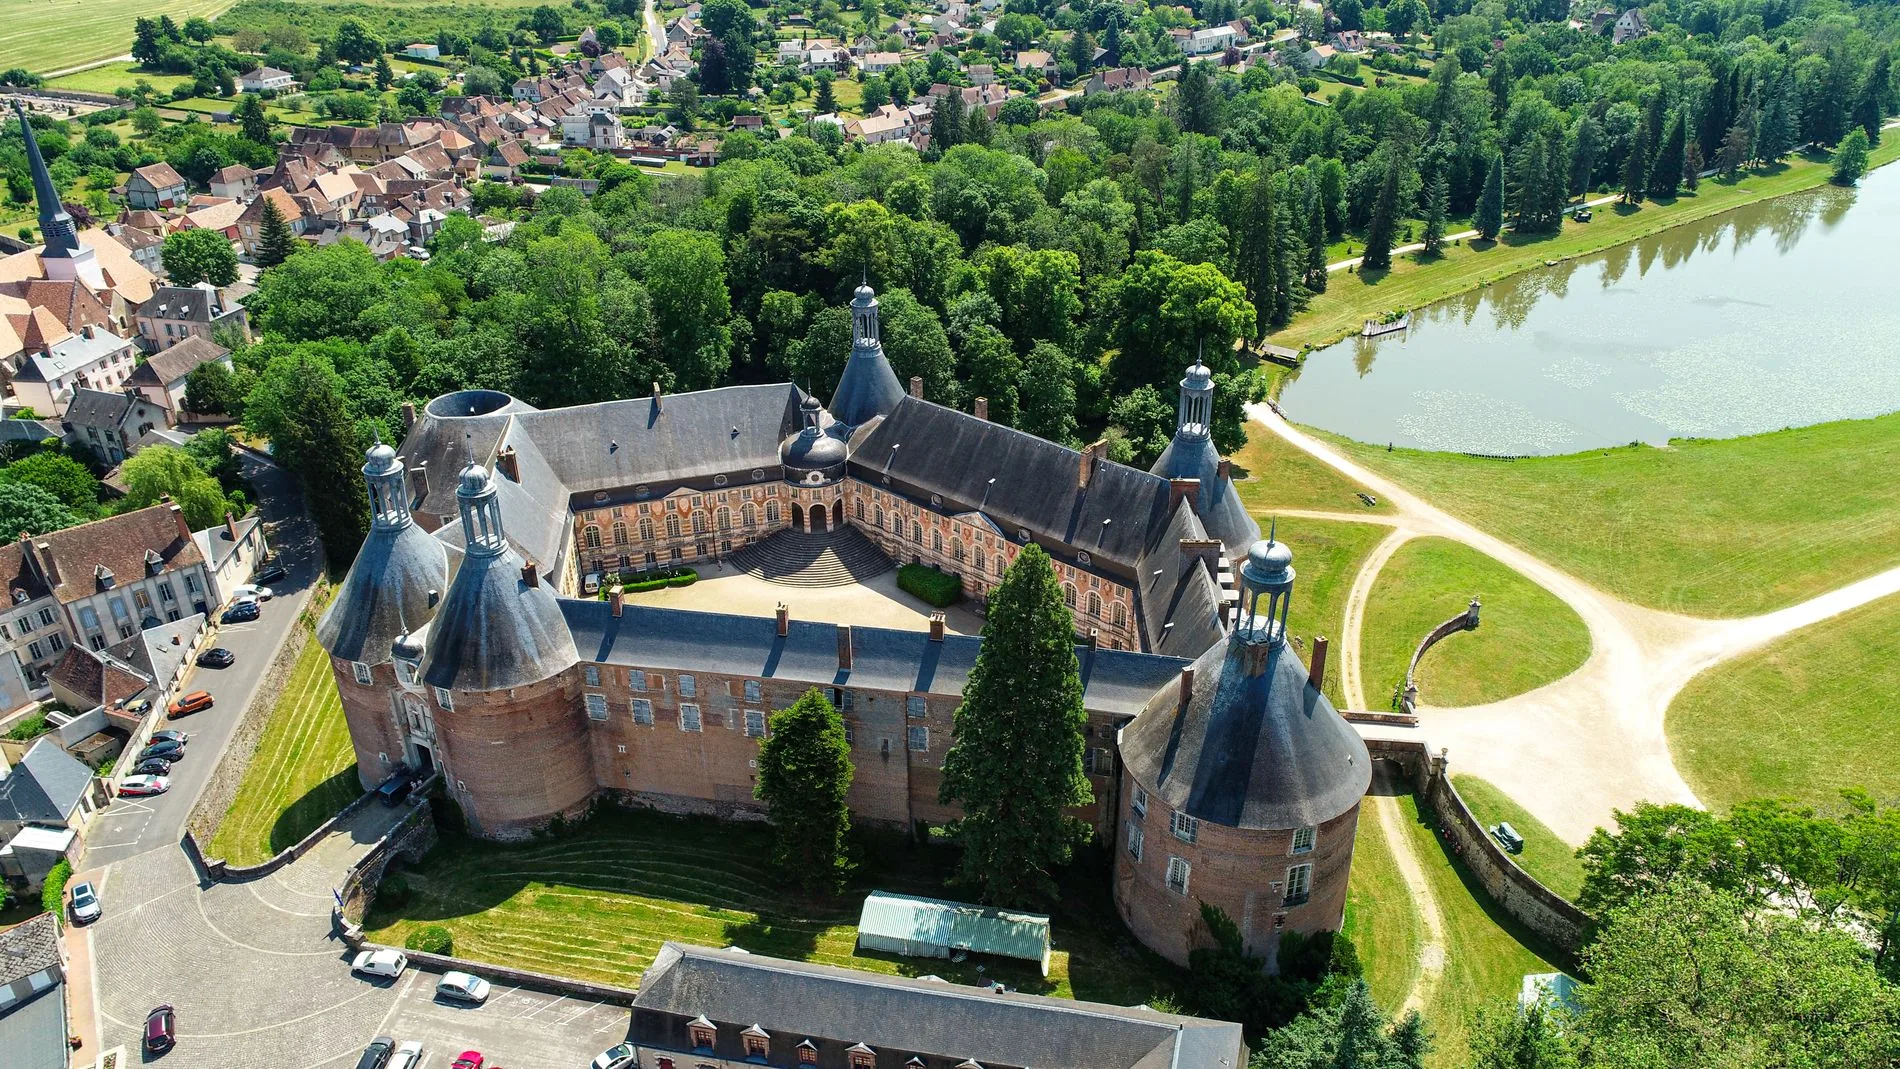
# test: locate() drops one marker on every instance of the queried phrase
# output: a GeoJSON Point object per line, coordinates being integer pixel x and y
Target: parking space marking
{"type": "Point", "coordinates": [252, 887]}
{"type": "Point", "coordinates": [279, 1024]}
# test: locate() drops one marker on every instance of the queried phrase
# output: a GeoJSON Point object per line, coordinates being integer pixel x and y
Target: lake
{"type": "Point", "coordinates": [1779, 314]}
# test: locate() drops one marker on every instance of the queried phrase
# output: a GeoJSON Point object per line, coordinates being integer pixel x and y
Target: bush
{"type": "Point", "coordinates": [937, 588]}
{"type": "Point", "coordinates": [641, 582]}
{"type": "Point", "coordinates": [30, 728]}
{"type": "Point", "coordinates": [393, 891]}
{"type": "Point", "coordinates": [53, 895]}
{"type": "Point", "coordinates": [430, 939]}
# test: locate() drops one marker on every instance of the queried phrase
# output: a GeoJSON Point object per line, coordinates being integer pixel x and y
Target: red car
{"type": "Point", "coordinates": [468, 1059]}
{"type": "Point", "coordinates": [161, 1030]}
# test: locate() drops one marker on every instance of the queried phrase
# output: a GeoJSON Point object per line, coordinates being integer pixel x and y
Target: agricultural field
{"type": "Point", "coordinates": [50, 35]}
{"type": "Point", "coordinates": [387, 19]}
{"type": "Point", "coordinates": [111, 76]}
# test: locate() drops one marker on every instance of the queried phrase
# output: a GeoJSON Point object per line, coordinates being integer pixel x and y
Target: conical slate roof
{"type": "Point", "coordinates": [385, 594]}
{"type": "Point", "coordinates": [1193, 456]}
{"type": "Point", "coordinates": [869, 388]}
{"type": "Point", "coordinates": [1255, 750]}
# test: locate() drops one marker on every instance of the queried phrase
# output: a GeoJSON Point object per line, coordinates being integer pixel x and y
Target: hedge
{"type": "Point", "coordinates": [938, 588]}
{"type": "Point", "coordinates": [649, 581]}
{"type": "Point", "coordinates": [53, 894]}
{"type": "Point", "coordinates": [430, 939]}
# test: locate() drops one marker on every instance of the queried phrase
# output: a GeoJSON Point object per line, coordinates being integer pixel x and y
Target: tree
{"type": "Point", "coordinates": [1870, 108]}
{"type": "Point", "coordinates": [299, 404]}
{"type": "Point", "coordinates": [1168, 313]}
{"type": "Point", "coordinates": [199, 29]}
{"type": "Point", "coordinates": [685, 273]}
{"type": "Point", "coordinates": [385, 74]}
{"type": "Point", "coordinates": [59, 475]}
{"type": "Point", "coordinates": [545, 23]}
{"type": "Point", "coordinates": [199, 255]}
{"type": "Point", "coordinates": [1665, 174]}
{"type": "Point", "coordinates": [804, 774]}
{"type": "Point", "coordinates": [276, 241]}
{"type": "Point", "coordinates": [1196, 101]}
{"type": "Point", "coordinates": [1437, 206]}
{"type": "Point", "coordinates": [1081, 51]}
{"type": "Point", "coordinates": [167, 471]}
{"type": "Point", "coordinates": [1500, 85]}
{"type": "Point", "coordinates": [1654, 845]}
{"type": "Point", "coordinates": [1350, 1033]}
{"type": "Point", "coordinates": [1316, 274]}
{"type": "Point", "coordinates": [1850, 158]}
{"type": "Point", "coordinates": [1505, 1035]}
{"type": "Point", "coordinates": [211, 389]}
{"type": "Point", "coordinates": [1636, 170]}
{"type": "Point", "coordinates": [353, 43]}
{"type": "Point", "coordinates": [29, 509]}
{"type": "Point", "coordinates": [826, 100]}
{"type": "Point", "coordinates": [1048, 395]}
{"type": "Point", "coordinates": [1015, 764]}
{"type": "Point", "coordinates": [254, 123]}
{"type": "Point", "coordinates": [1385, 219]}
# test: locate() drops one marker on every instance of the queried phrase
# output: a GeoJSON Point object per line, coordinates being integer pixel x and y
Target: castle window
{"type": "Point", "coordinates": [699, 523]}
{"type": "Point", "coordinates": [862, 1057]}
{"type": "Point", "coordinates": [1121, 615]}
{"type": "Point", "coordinates": [719, 480]}
{"type": "Point", "coordinates": [807, 1052]}
{"type": "Point", "coordinates": [877, 519]}
{"type": "Point", "coordinates": [643, 711]}
{"type": "Point", "coordinates": [1095, 605]}
{"type": "Point", "coordinates": [979, 562]}
{"type": "Point", "coordinates": [689, 718]}
{"type": "Point", "coordinates": [640, 492]}
{"type": "Point", "coordinates": [771, 512]}
{"type": "Point", "coordinates": [1303, 839]}
{"type": "Point", "coordinates": [936, 541]}
{"type": "Point", "coordinates": [591, 673]}
{"type": "Point", "coordinates": [725, 518]}
{"type": "Point", "coordinates": [755, 1041]}
{"type": "Point", "coordinates": [850, 734]}
{"type": "Point", "coordinates": [596, 706]}
{"type": "Point", "coordinates": [646, 529]}
{"type": "Point", "coordinates": [591, 536]}
{"type": "Point", "coordinates": [698, 501]}
{"type": "Point", "coordinates": [1184, 827]}
{"type": "Point", "coordinates": [1096, 758]}
{"type": "Point", "coordinates": [1299, 884]}
{"type": "Point", "coordinates": [914, 705]}
{"type": "Point", "coordinates": [748, 515]}
{"type": "Point", "coordinates": [672, 525]}
{"type": "Point", "coordinates": [857, 509]}
{"type": "Point", "coordinates": [1000, 562]}
{"type": "Point", "coordinates": [956, 551]}
{"type": "Point", "coordinates": [1141, 802]}
{"type": "Point", "coordinates": [689, 685]}
{"type": "Point", "coordinates": [1022, 534]}
{"type": "Point", "coordinates": [919, 738]}
{"type": "Point", "coordinates": [1068, 595]}
{"type": "Point", "coordinates": [636, 679]}
{"type": "Point", "coordinates": [754, 690]}
{"type": "Point", "coordinates": [443, 699]}
{"type": "Point", "coordinates": [755, 723]}
{"type": "Point", "coordinates": [1134, 841]}
{"type": "Point", "coordinates": [620, 533]}
{"type": "Point", "coordinates": [1178, 875]}
{"type": "Point", "coordinates": [361, 671]}
{"type": "Point", "coordinates": [917, 534]}
{"type": "Point", "coordinates": [758, 474]}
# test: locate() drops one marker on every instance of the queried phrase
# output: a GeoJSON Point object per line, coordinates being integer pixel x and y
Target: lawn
{"type": "Point", "coordinates": [387, 19]}
{"type": "Point", "coordinates": [1801, 718]}
{"type": "Point", "coordinates": [1526, 637]}
{"type": "Point", "coordinates": [1351, 298]}
{"type": "Point", "coordinates": [110, 76]}
{"type": "Point", "coordinates": [1327, 554]}
{"type": "Point", "coordinates": [1545, 856]}
{"type": "Point", "coordinates": [1487, 953]}
{"type": "Point", "coordinates": [1380, 920]}
{"type": "Point", "coordinates": [1272, 474]}
{"type": "Point", "coordinates": [303, 772]}
{"type": "Point", "coordinates": [597, 902]}
{"type": "Point", "coordinates": [1710, 527]}
{"type": "Point", "coordinates": [47, 35]}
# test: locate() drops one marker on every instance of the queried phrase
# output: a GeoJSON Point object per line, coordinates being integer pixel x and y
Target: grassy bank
{"type": "Point", "coordinates": [1801, 718]}
{"type": "Point", "coordinates": [1352, 298]}
{"type": "Point", "coordinates": [1380, 919]}
{"type": "Point", "coordinates": [1272, 474]}
{"type": "Point", "coordinates": [1327, 555]}
{"type": "Point", "coordinates": [1710, 527]}
{"type": "Point", "coordinates": [1526, 637]}
{"type": "Point", "coordinates": [1545, 856]}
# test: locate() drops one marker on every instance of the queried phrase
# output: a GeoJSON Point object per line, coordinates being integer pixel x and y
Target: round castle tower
{"type": "Point", "coordinates": [1241, 789]}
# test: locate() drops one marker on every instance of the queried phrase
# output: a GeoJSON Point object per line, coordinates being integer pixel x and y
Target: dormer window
{"type": "Point", "coordinates": [807, 1052]}
{"type": "Point", "coordinates": [702, 1033]}
{"type": "Point", "coordinates": [756, 1041]}
{"type": "Point", "coordinates": [861, 1056]}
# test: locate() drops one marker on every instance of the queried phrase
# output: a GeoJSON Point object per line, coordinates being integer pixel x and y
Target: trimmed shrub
{"type": "Point", "coordinates": [53, 894]}
{"type": "Point", "coordinates": [641, 582]}
{"type": "Point", "coordinates": [430, 939]}
{"type": "Point", "coordinates": [393, 891]}
{"type": "Point", "coordinates": [937, 588]}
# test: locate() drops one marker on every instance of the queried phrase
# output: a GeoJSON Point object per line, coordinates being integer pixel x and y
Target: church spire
{"type": "Point", "coordinates": [56, 227]}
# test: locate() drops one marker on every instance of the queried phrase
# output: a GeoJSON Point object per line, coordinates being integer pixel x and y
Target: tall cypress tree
{"type": "Point", "coordinates": [1016, 762]}
{"type": "Point", "coordinates": [1437, 204]}
{"type": "Point", "coordinates": [1583, 156]}
{"type": "Point", "coordinates": [1315, 244]}
{"type": "Point", "coordinates": [1636, 169]}
{"type": "Point", "coordinates": [1870, 109]}
{"type": "Point", "coordinates": [1500, 84]}
{"type": "Point", "coordinates": [1488, 219]}
{"type": "Point", "coordinates": [1385, 220]}
{"type": "Point", "coordinates": [275, 240]}
{"type": "Point", "coordinates": [1666, 173]}
{"type": "Point", "coordinates": [804, 773]}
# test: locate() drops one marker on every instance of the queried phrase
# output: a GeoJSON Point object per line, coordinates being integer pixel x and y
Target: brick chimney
{"type": "Point", "coordinates": [844, 647]}
{"type": "Point", "coordinates": [1187, 689]}
{"type": "Point", "coordinates": [1317, 672]}
{"type": "Point", "coordinates": [1095, 638]}
{"type": "Point", "coordinates": [531, 574]}
{"type": "Point", "coordinates": [408, 416]}
{"type": "Point", "coordinates": [983, 408]}
{"type": "Point", "coordinates": [230, 525]}
{"type": "Point", "coordinates": [1085, 467]}
{"type": "Point", "coordinates": [784, 620]}
{"type": "Point", "coordinates": [178, 518]}
{"type": "Point", "coordinates": [936, 627]}
{"type": "Point", "coordinates": [1225, 469]}
{"type": "Point", "coordinates": [507, 464]}
{"type": "Point", "coordinates": [617, 599]}
{"type": "Point", "coordinates": [1184, 488]}
{"type": "Point", "coordinates": [917, 387]}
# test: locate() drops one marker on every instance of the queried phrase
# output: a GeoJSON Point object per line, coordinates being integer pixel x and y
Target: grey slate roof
{"type": "Point", "coordinates": [1258, 752]}
{"type": "Point", "coordinates": [1114, 681]}
{"type": "Point", "coordinates": [386, 592]}
{"type": "Point", "coordinates": [892, 1013]}
{"type": "Point", "coordinates": [33, 1033]}
{"type": "Point", "coordinates": [1180, 601]}
{"type": "Point", "coordinates": [534, 511]}
{"type": "Point", "coordinates": [493, 631]}
{"type": "Point", "coordinates": [468, 421]}
{"type": "Point", "coordinates": [955, 454]}
{"type": "Point", "coordinates": [1193, 456]}
{"type": "Point", "coordinates": [29, 947]}
{"type": "Point", "coordinates": [171, 364]}
{"type": "Point", "coordinates": [45, 786]}
{"type": "Point", "coordinates": [867, 388]}
{"type": "Point", "coordinates": [97, 408]}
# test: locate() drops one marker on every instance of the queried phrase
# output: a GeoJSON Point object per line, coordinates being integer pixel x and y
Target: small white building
{"type": "Point", "coordinates": [1206, 42]}
{"type": "Point", "coordinates": [423, 50]}
{"type": "Point", "coordinates": [264, 78]}
{"type": "Point", "coordinates": [94, 358]}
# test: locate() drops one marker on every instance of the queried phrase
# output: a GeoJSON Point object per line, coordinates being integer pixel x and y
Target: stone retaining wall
{"type": "Point", "coordinates": [218, 869]}
{"type": "Point", "coordinates": [221, 790]}
{"type": "Point", "coordinates": [412, 837]}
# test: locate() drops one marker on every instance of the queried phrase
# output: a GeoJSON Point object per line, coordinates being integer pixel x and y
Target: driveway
{"type": "Point", "coordinates": [259, 979]}
{"type": "Point", "coordinates": [132, 826]}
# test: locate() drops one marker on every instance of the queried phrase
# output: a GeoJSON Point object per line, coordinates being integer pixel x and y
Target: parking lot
{"type": "Point", "coordinates": [515, 1029]}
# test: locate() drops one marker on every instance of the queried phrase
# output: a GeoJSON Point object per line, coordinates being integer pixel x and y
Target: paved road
{"type": "Point", "coordinates": [260, 980]}
{"type": "Point", "coordinates": [134, 825]}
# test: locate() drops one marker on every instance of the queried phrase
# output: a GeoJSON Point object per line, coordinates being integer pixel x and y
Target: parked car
{"type": "Point", "coordinates": [388, 963]}
{"type": "Point", "coordinates": [161, 1029]}
{"type": "Point", "coordinates": [468, 1059]}
{"type": "Point", "coordinates": [139, 786]}
{"type": "Point", "coordinates": [396, 788]}
{"type": "Point", "coordinates": [170, 751]}
{"type": "Point", "coordinates": [618, 1057]}
{"type": "Point", "coordinates": [85, 904]}
{"type": "Point", "coordinates": [217, 657]}
{"type": "Point", "coordinates": [242, 612]}
{"type": "Point", "coordinates": [376, 1055]}
{"type": "Point", "coordinates": [462, 987]}
{"type": "Point", "coordinates": [408, 1055]}
{"type": "Point", "coordinates": [195, 702]}
{"type": "Point", "coordinates": [252, 592]}
{"type": "Point", "coordinates": [137, 706]}
{"type": "Point", "coordinates": [156, 766]}
{"type": "Point", "coordinates": [168, 735]}
{"type": "Point", "coordinates": [270, 573]}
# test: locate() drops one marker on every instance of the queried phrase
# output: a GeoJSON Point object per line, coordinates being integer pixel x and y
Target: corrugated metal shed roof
{"type": "Point", "coordinates": [956, 925]}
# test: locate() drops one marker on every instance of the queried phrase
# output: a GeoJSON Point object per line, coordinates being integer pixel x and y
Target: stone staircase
{"type": "Point", "coordinates": [795, 558]}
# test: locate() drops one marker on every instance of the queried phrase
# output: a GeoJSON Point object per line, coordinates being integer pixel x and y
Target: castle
{"type": "Point", "coordinates": [460, 642]}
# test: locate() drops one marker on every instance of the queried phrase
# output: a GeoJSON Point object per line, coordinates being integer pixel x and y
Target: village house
{"type": "Point", "coordinates": [108, 421]}
{"type": "Point", "coordinates": [266, 79]}
{"type": "Point", "coordinates": [878, 62]}
{"type": "Point", "coordinates": [155, 186]}
{"type": "Point", "coordinates": [1121, 79]}
{"type": "Point", "coordinates": [251, 223]}
{"type": "Point", "coordinates": [1035, 60]}
{"type": "Point", "coordinates": [237, 182]}
{"type": "Point", "coordinates": [175, 313]}
{"type": "Point", "coordinates": [161, 378]}
{"type": "Point", "coordinates": [92, 358]}
{"type": "Point", "coordinates": [1629, 26]}
{"type": "Point", "coordinates": [424, 50]}
{"type": "Point", "coordinates": [1210, 40]}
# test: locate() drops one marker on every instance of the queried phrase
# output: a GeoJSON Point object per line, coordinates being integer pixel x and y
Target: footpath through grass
{"type": "Point", "coordinates": [303, 772]}
{"type": "Point", "coordinates": [47, 35]}
{"type": "Point", "coordinates": [1327, 554]}
{"type": "Point", "coordinates": [1547, 857]}
{"type": "Point", "coordinates": [1526, 637]}
{"type": "Point", "coordinates": [597, 902]}
{"type": "Point", "coordinates": [1381, 920]}
{"type": "Point", "coordinates": [1710, 527]}
{"type": "Point", "coordinates": [1352, 298]}
{"type": "Point", "coordinates": [1803, 718]}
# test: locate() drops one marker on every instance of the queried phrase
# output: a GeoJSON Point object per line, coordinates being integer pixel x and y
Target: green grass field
{"type": "Point", "coordinates": [1526, 637]}
{"type": "Point", "coordinates": [303, 772]}
{"type": "Point", "coordinates": [387, 19]}
{"type": "Point", "coordinates": [1710, 527]}
{"type": "Point", "coordinates": [1351, 298]}
{"type": "Point", "coordinates": [110, 76]}
{"type": "Point", "coordinates": [1271, 474]}
{"type": "Point", "coordinates": [1327, 555]}
{"type": "Point", "coordinates": [1801, 718]}
{"type": "Point", "coordinates": [1548, 858]}
{"type": "Point", "coordinates": [597, 903]}
{"type": "Point", "coordinates": [47, 35]}
{"type": "Point", "coordinates": [1380, 920]}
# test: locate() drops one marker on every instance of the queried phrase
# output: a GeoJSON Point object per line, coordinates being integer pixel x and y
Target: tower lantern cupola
{"type": "Point", "coordinates": [1266, 577]}
{"type": "Point", "coordinates": [1197, 402]}
{"type": "Point", "coordinates": [481, 512]}
{"type": "Point", "coordinates": [864, 329]}
{"type": "Point", "coordinates": [388, 494]}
